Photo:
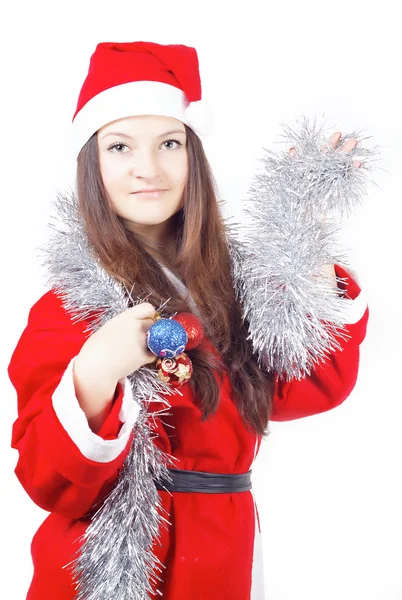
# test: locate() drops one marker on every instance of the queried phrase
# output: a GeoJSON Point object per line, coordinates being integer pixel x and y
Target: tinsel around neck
{"type": "Point", "coordinates": [115, 560]}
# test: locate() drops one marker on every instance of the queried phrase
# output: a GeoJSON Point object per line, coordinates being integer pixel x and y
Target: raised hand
{"type": "Point", "coordinates": [333, 142]}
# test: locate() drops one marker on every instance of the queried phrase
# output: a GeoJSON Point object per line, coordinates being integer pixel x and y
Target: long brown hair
{"type": "Point", "coordinates": [203, 263]}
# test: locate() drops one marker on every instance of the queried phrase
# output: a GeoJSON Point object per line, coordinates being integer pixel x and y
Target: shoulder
{"type": "Point", "coordinates": [49, 311]}
{"type": "Point", "coordinates": [48, 301]}
{"type": "Point", "coordinates": [48, 305]}
{"type": "Point", "coordinates": [49, 340]}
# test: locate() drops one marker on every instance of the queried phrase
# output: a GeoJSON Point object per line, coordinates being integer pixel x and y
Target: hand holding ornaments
{"type": "Point", "coordinates": [168, 338]}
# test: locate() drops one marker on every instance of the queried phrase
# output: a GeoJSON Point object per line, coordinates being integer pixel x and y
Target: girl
{"type": "Point", "coordinates": [97, 414]}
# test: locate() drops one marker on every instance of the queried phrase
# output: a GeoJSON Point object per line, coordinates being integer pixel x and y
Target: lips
{"type": "Point", "coordinates": [149, 195]}
{"type": "Point", "coordinates": [149, 191]}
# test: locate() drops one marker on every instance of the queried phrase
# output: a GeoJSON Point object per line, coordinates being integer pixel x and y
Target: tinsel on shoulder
{"type": "Point", "coordinates": [296, 318]}
{"type": "Point", "coordinates": [115, 560]}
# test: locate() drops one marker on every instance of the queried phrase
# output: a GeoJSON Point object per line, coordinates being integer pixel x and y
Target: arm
{"type": "Point", "coordinates": [330, 383]}
{"type": "Point", "coordinates": [63, 465]}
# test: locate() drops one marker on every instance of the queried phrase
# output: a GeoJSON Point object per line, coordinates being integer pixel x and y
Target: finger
{"type": "Point", "coordinates": [333, 140]}
{"type": "Point", "coordinates": [145, 310]}
{"type": "Point", "coordinates": [348, 146]}
{"type": "Point", "coordinates": [152, 358]}
{"type": "Point", "coordinates": [146, 324]}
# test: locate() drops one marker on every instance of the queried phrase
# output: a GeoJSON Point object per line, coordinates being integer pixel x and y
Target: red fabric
{"type": "Point", "coordinates": [211, 535]}
{"type": "Point", "coordinates": [116, 63]}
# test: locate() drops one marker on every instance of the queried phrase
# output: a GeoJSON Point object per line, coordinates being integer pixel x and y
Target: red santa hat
{"type": "Point", "coordinates": [140, 78]}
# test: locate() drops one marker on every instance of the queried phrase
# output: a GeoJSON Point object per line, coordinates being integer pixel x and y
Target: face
{"type": "Point", "coordinates": [144, 153]}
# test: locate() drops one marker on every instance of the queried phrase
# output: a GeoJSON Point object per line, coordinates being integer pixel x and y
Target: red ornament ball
{"type": "Point", "coordinates": [175, 371]}
{"type": "Point", "coordinates": [193, 327]}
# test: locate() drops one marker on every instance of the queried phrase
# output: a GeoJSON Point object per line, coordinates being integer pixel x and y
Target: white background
{"type": "Point", "coordinates": [328, 487]}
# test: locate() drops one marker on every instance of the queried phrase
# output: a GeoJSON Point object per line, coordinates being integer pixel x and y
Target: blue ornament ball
{"type": "Point", "coordinates": [167, 338]}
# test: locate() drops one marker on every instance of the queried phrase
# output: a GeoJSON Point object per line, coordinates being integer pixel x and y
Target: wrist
{"type": "Point", "coordinates": [95, 367]}
{"type": "Point", "coordinates": [95, 394]}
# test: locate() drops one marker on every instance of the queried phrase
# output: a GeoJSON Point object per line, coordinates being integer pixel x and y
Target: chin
{"type": "Point", "coordinates": [157, 220]}
{"type": "Point", "coordinates": [149, 221]}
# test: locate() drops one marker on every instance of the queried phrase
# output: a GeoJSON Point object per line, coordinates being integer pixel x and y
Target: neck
{"type": "Point", "coordinates": [162, 250]}
{"type": "Point", "coordinates": [160, 240]}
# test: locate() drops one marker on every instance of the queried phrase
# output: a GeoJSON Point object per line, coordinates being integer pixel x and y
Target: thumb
{"type": "Point", "coordinates": [145, 310]}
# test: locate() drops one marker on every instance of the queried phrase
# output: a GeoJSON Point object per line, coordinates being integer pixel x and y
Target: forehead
{"type": "Point", "coordinates": [153, 125]}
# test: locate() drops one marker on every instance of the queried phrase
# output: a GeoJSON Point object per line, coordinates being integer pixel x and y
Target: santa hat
{"type": "Point", "coordinates": [140, 78]}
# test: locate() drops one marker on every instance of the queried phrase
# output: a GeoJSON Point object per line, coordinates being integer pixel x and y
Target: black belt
{"type": "Point", "coordinates": [208, 483]}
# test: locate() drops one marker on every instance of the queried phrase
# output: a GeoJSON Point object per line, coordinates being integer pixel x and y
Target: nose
{"type": "Point", "coordinates": [145, 164]}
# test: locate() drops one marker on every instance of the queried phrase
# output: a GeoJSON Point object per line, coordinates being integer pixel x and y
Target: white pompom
{"type": "Point", "coordinates": [199, 117]}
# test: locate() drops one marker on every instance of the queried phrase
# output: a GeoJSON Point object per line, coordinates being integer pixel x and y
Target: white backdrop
{"type": "Point", "coordinates": [328, 487]}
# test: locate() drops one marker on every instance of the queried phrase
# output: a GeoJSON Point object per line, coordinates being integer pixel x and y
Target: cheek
{"type": "Point", "coordinates": [177, 167]}
{"type": "Point", "coordinates": [112, 173]}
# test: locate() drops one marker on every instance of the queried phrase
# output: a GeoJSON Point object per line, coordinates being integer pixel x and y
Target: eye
{"type": "Point", "coordinates": [118, 144]}
{"type": "Point", "coordinates": [175, 141]}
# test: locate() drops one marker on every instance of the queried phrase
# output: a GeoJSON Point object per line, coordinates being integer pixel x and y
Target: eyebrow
{"type": "Point", "coordinates": [118, 133]}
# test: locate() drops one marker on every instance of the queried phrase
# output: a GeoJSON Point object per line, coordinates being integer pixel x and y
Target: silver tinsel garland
{"type": "Point", "coordinates": [293, 314]}
{"type": "Point", "coordinates": [115, 560]}
{"type": "Point", "coordinates": [296, 318]}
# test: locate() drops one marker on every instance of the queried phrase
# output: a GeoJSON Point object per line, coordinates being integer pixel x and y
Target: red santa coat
{"type": "Point", "coordinates": [212, 549]}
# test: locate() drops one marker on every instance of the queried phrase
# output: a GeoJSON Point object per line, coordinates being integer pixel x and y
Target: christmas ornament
{"type": "Point", "coordinates": [193, 327]}
{"type": "Point", "coordinates": [175, 371]}
{"type": "Point", "coordinates": [288, 320]}
{"type": "Point", "coordinates": [166, 338]}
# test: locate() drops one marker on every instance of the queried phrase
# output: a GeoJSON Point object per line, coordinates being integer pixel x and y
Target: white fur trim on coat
{"type": "Point", "coordinates": [75, 423]}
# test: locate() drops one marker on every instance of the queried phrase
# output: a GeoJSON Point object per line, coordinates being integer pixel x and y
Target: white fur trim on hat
{"type": "Point", "coordinates": [129, 99]}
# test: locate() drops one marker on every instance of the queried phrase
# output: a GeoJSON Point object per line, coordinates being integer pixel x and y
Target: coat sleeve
{"type": "Point", "coordinates": [62, 465]}
{"type": "Point", "coordinates": [329, 383]}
